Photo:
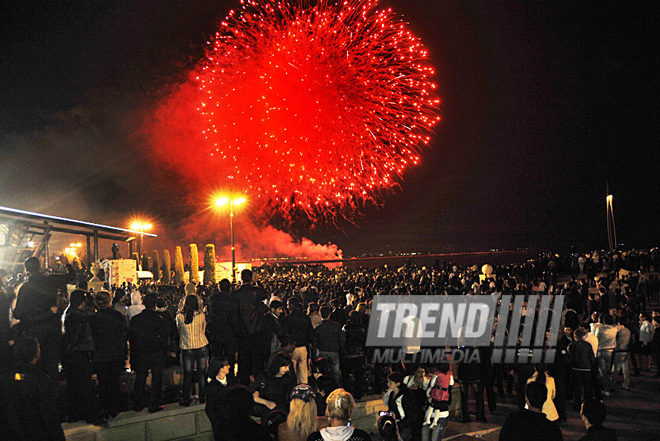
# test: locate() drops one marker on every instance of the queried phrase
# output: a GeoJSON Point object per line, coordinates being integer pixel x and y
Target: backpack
{"type": "Point", "coordinates": [440, 390]}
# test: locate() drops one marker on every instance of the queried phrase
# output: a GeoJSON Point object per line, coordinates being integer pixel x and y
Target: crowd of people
{"type": "Point", "coordinates": [287, 347]}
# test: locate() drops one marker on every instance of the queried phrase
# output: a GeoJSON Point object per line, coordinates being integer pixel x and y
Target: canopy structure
{"type": "Point", "coordinates": [25, 233]}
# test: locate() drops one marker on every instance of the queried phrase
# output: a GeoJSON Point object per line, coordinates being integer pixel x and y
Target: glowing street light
{"type": "Point", "coordinates": [611, 228]}
{"type": "Point", "coordinates": [221, 202]}
{"type": "Point", "coordinates": [141, 227]}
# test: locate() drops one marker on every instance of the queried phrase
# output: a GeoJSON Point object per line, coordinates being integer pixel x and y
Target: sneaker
{"type": "Point", "coordinates": [606, 393]}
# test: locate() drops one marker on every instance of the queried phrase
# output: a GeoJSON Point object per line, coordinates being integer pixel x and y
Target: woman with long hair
{"type": "Point", "coordinates": [302, 420]}
{"type": "Point", "coordinates": [191, 324]}
{"type": "Point", "coordinates": [401, 402]}
{"type": "Point", "coordinates": [340, 406]}
{"type": "Point", "coordinates": [118, 303]}
{"type": "Point", "coordinates": [271, 390]}
{"type": "Point", "coordinates": [541, 376]}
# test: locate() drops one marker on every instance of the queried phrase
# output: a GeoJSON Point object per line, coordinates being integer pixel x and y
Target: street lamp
{"type": "Point", "coordinates": [220, 202]}
{"type": "Point", "coordinates": [141, 227]}
{"type": "Point", "coordinates": [611, 229]}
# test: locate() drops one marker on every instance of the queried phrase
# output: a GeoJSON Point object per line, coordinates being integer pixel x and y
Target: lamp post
{"type": "Point", "coordinates": [611, 229]}
{"type": "Point", "coordinates": [220, 202]}
{"type": "Point", "coordinates": [141, 227]}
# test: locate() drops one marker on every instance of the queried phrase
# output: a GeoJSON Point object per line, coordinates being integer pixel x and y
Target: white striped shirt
{"type": "Point", "coordinates": [192, 335]}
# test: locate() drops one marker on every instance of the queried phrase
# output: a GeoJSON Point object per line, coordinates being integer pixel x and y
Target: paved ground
{"type": "Point", "coordinates": [634, 414]}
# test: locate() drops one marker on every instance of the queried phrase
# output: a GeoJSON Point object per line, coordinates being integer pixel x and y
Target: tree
{"type": "Point", "coordinates": [209, 264]}
{"type": "Point", "coordinates": [167, 267]}
{"type": "Point", "coordinates": [194, 264]}
{"type": "Point", "coordinates": [145, 262]}
{"type": "Point", "coordinates": [155, 266]}
{"type": "Point", "coordinates": [178, 266]}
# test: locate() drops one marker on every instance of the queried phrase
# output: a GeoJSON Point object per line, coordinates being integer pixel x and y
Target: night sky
{"type": "Point", "coordinates": [542, 104]}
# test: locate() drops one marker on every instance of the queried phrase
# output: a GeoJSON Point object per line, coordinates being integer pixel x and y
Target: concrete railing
{"type": "Point", "coordinates": [173, 423]}
{"type": "Point", "coordinates": [191, 423]}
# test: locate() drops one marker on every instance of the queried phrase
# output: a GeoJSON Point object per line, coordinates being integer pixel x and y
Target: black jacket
{"type": "Point", "coordinates": [148, 333]}
{"type": "Point", "coordinates": [581, 355]}
{"type": "Point", "coordinates": [77, 331]}
{"type": "Point", "coordinates": [599, 433]}
{"type": "Point", "coordinates": [33, 398]}
{"type": "Point", "coordinates": [215, 403]}
{"type": "Point", "coordinates": [299, 325]}
{"type": "Point", "coordinates": [219, 325]}
{"type": "Point", "coordinates": [248, 310]}
{"type": "Point", "coordinates": [329, 337]}
{"type": "Point", "coordinates": [356, 339]}
{"type": "Point", "coordinates": [110, 334]}
{"type": "Point", "coordinates": [407, 403]}
{"type": "Point", "coordinates": [529, 425]}
{"type": "Point", "coordinates": [272, 329]}
{"type": "Point", "coordinates": [37, 296]}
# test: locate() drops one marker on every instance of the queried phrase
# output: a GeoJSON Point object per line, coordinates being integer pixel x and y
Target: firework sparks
{"type": "Point", "coordinates": [313, 109]}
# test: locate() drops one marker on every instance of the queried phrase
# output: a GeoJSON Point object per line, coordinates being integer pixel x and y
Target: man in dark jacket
{"type": "Point", "coordinates": [593, 414]}
{"type": "Point", "coordinates": [469, 376]}
{"type": "Point", "coordinates": [299, 326]}
{"type": "Point", "coordinates": [36, 308]}
{"type": "Point", "coordinates": [272, 329]}
{"type": "Point", "coordinates": [148, 335]}
{"type": "Point", "coordinates": [220, 329]}
{"type": "Point", "coordinates": [110, 333]}
{"type": "Point", "coordinates": [77, 360]}
{"type": "Point", "coordinates": [248, 310]}
{"type": "Point", "coordinates": [330, 342]}
{"type": "Point", "coordinates": [531, 424]}
{"type": "Point", "coordinates": [581, 360]}
{"type": "Point", "coordinates": [32, 397]}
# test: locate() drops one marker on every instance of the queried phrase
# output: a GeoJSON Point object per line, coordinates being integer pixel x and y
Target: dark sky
{"type": "Point", "coordinates": [543, 103]}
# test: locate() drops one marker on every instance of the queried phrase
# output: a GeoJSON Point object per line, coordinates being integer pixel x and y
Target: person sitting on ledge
{"type": "Point", "coordinates": [339, 410]}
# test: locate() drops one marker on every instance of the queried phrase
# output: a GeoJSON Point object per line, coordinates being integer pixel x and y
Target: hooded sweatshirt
{"type": "Point", "coordinates": [136, 305]}
{"type": "Point", "coordinates": [339, 433]}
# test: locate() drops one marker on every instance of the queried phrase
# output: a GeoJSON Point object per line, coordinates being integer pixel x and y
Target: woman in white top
{"type": "Point", "coordinates": [541, 376]}
{"type": "Point", "coordinates": [418, 380]}
{"type": "Point", "coordinates": [645, 338]}
{"type": "Point", "coordinates": [191, 323]}
{"type": "Point", "coordinates": [136, 305]}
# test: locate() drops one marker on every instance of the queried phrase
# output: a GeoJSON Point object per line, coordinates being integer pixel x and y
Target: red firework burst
{"type": "Point", "coordinates": [313, 109]}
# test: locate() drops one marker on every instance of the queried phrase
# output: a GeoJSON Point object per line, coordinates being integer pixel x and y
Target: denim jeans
{"type": "Point", "coordinates": [436, 433]}
{"type": "Point", "coordinates": [620, 364]}
{"type": "Point", "coordinates": [605, 367]}
{"type": "Point", "coordinates": [192, 358]}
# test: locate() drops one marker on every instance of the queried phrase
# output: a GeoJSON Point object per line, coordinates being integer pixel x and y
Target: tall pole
{"type": "Point", "coordinates": [141, 242]}
{"type": "Point", "coordinates": [611, 229]}
{"type": "Point", "coordinates": [233, 249]}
